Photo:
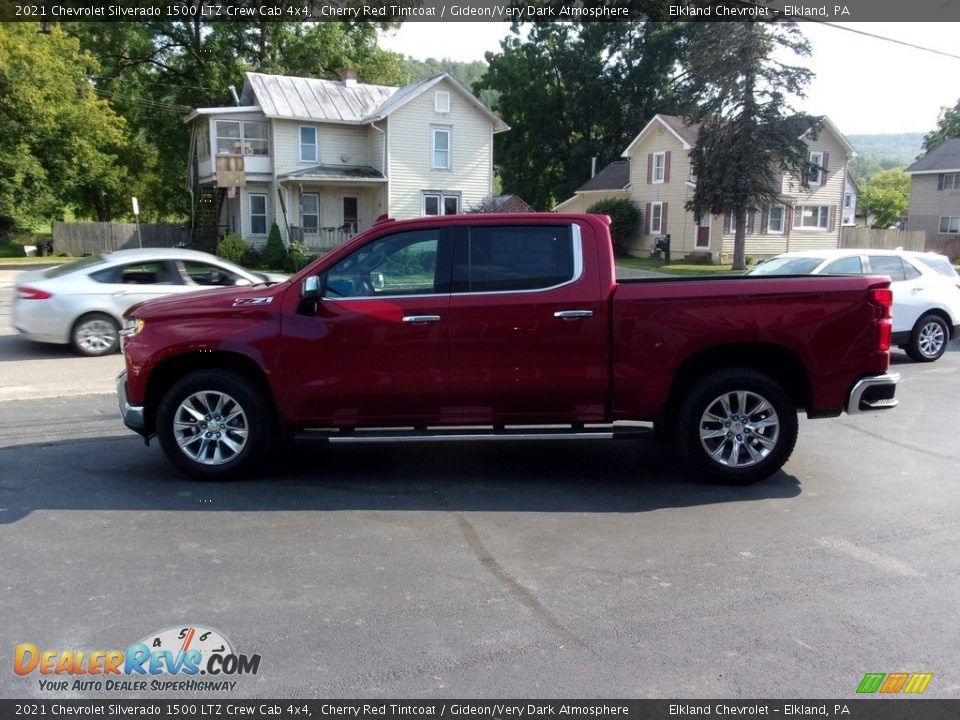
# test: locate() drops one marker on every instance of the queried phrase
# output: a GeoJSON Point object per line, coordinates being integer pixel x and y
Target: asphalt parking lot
{"type": "Point", "coordinates": [589, 569]}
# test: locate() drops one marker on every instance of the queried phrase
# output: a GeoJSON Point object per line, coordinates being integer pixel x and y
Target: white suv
{"type": "Point", "coordinates": [926, 290]}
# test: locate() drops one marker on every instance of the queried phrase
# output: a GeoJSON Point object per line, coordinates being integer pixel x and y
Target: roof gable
{"type": "Point", "coordinates": [685, 132]}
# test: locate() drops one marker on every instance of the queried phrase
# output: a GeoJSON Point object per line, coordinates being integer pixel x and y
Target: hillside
{"type": "Point", "coordinates": [882, 152]}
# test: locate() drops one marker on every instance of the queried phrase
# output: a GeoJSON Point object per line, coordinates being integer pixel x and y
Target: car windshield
{"type": "Point", "coordinates": [938, 263]}
{"type": "Point", "coordinates": [787, 266]}
{"type": "Point", "coordinates": [78, 264]}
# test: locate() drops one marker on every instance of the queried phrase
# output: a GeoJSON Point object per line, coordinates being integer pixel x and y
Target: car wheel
{"type": "Point", "coordinates": [95, 334]}
{"type": "Point", "coordinates": [929, 338]}
{"type": "Point", "coordinates": [214, 425]}
{"type": "Point", "coordinates": [737, 426]}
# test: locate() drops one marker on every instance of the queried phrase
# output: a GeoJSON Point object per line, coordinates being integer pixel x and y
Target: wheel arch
{"type": "Point", "coordinates": [941, 313]}
{"type": "Point", "coordinates": [170, 370]}
{"type": "Point", "coordinates": [778, 362]}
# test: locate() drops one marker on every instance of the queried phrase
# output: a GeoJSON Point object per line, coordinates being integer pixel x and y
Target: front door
{"type": "Point", "coordinates": [377, 349]}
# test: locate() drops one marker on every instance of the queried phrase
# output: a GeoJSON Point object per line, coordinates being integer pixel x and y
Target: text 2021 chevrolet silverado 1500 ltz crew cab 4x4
{"type": "Point", "coordinates": [504, 326]}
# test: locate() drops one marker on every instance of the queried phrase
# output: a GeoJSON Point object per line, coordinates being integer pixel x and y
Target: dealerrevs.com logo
{"type": "Point", "coordinates": [192, 658]}
{"type": "Point", "coordinates": [893, 683]}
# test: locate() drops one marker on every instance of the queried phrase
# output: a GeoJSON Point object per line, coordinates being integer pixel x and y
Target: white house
{"type": "Point", "coordinates": [323, 159]}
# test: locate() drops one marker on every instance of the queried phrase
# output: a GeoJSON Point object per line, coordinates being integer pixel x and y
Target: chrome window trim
{"type": "Point", "coordinates": [577, 241]}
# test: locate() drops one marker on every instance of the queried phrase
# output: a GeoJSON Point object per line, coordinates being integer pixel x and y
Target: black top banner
{"type": "Point", "coordinates": [877, 709]}
{"type": "Point", "coordinates": [480, 10]}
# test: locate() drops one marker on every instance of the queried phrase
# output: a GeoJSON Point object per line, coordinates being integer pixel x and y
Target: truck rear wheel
{"type": "Point", "coordinates": [214, 425]}
{"type": "Point", "coordinates": [737, 426]}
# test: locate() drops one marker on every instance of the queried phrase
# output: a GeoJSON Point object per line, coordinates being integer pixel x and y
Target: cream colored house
{"type": "Point", "coordinates": [323, 159]}
{"type": "Point", "coordinates": [661, 183]}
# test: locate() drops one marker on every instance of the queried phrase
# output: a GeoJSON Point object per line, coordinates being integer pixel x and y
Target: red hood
{"type": "Point", "coordinates": [215, 300]}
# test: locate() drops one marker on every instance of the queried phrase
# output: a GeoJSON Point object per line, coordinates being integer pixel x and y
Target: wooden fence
{"type": "Point", "coordinates": [864, 237]}
{"type": "Point", "coordinates": [78, 239]}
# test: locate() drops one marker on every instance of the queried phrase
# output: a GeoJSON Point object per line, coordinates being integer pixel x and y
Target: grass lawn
{"type": "Point", "coordinates": [675, 268]}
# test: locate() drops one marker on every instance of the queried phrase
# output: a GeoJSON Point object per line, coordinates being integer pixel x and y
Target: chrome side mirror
{"type": "Point", "coordinates": [309, 295]}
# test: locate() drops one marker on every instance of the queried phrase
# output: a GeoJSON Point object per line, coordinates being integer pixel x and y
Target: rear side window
{"type": "Point", "coordinates": [887, 265]}
{"type": "Point", "coordinates": [939, 263]}
{"type": "Point", "coordinates": [73, 266]}
{"type": "Point", "coordinates": [512, 258]}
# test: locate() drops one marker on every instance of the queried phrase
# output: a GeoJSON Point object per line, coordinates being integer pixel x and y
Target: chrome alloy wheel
{"type": "Point", "coordinates": [931, 338]}
{"type": "Point", "coordinates": [210, 427]}
{"type": "Point", "coordinates": [739, 429]}
{"type": "Point", "coordinates": [96, 336]}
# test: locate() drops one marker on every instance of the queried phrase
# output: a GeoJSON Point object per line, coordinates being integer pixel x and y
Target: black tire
{"type": "Point", "coordinates": [95, 334]}
{"type": "Point", "coordinates": [731, 444]}
{"type": "Point", "coordinates": [929, 338]}
{"type": "Point", "coordinates": [214, 425]}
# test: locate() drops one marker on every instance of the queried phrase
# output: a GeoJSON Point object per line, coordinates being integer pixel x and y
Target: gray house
{"type": "Point", "coordinates": [935, 198]}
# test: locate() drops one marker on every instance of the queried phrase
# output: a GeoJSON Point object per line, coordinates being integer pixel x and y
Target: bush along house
{"type": "Point", "coordinates": [323, 158]}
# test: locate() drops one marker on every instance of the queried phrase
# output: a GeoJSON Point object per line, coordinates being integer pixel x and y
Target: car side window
{"type": "Point", "coordinates": [513, 258]}
{"type": "Point", "coordinates": [909, 271]}
{"type": "Point", "coordinates": [887, 265]}
{"type": "Point", "coordinates": [405, 263]}
{"type": "Point", "coordinates": [142, 273]}
{"type": "Point", "coordinates": [201, 273]}
{"type": "Point", "coordinates": [844, 266]}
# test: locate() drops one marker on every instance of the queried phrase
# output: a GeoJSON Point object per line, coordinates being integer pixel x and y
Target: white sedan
{"type": "Point", "coordinates": [83, 301]}
{"type": "Point", "coordinates": [926, 290]}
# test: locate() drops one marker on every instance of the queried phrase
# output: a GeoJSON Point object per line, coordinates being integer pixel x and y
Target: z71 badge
{"type": "Point", "coordinates": [252, 301]}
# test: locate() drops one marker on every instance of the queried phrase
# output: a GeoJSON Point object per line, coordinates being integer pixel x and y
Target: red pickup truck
{"type": "Point", "coordinates": [471, 327]}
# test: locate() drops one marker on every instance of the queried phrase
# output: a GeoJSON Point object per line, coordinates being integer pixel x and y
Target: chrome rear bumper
{"type": "Point", "coordinates": [874, 393]}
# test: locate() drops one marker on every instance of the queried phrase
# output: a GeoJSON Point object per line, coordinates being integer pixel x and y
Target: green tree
{"type": "Point", "coordinates": [572, 92]}
{"type": "Point", "coordinates": [60, 145]}
{"type": "Point", "coordinates": [738, 93]}
{"type": "Point", "coordinates": [948, 126]}
{"type": "Point", "coordinates": [624, 219]}
{"type": "Point", "coordinates": [886, 196]}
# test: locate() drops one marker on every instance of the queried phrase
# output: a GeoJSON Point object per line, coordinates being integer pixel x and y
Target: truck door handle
{"type": "Point", "coordinates": [421, 319]}
{"type": "Point", "coordinates": [573, 314]}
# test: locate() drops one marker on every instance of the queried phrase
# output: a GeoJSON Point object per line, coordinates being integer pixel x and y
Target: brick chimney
{"type": "Point", "coordinates": [348, 77]}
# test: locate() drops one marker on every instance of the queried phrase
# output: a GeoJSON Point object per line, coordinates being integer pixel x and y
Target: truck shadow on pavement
{"type": "Point", "coordinates": [120, 474]}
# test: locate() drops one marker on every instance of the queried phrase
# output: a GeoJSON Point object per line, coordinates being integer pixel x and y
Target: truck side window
{"type": "Point", "coordinates": [512, 258]}
{"type": "Point", "coordinates": [406, 263]}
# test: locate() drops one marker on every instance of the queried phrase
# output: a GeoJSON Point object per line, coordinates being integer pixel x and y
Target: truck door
{"type": "Point", "coordinates": [526, 326]}
{"type": "Point", "coordinates": [377, 349]}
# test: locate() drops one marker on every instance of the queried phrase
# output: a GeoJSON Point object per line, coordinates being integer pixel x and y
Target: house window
{"type": "Point", "coordinates": [441, 148]}
{"type": "Point", "coordinates": [775, 221]}
{"type": "Point", "coordinates": [847, 199]}
{"type": "Point", "coordinates": [440, 204]}
{"type": "Point", "coordinates": [441, 101]}
{"type": "Point", "coordinates": [310, 213]}
{"type": "Point", "coordinates": [258, 214]}
{"type": "Point", "coordinates": [813, 217]}
{"type": "Point", "coordinates": [656, 218]}
{"type": "Point", "coordinates": [659, 167]}
{"type": "Point", "coordinates": [241, 138]}
{"type": "Point", "coordinates": [816, 168]}
{"type": "Point", "coordinates": [308, 144]}
{"type": "Point", "coordinates": [950, 182]}
{"type": "Point", "coordinates": [949, 224]}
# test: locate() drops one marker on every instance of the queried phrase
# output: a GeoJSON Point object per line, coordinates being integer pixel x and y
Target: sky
{"type": "Point", "coordinates": [863, 84]}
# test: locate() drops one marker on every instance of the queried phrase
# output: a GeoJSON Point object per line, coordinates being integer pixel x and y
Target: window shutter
{"type": "Point", "coordinates": [764, 220]}
{"type": "Point", "coordinates": [666, 166]}
{"type": "Point", "coordinates": [663, 216]}
{"type": "Point", "coordinates": [788, 219]}
{"type": "Point", "coordinates": [750, 223]}
{"type": "Point", "coordinates": [649, 168]}
{"type": "Point", "coordinates": [649, 218]}
{"type": "Point", "coordinates": [831, 223]}
{"type": "Point", "coordinates": [825, 166]}
{"type": "Point", "coordinates": [940, 182]}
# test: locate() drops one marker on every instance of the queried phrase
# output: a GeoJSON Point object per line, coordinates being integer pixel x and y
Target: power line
{"type": "Point", "coordinates": [887, 39]}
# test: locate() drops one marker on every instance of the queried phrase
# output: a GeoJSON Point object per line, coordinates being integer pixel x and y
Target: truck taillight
{"type": "Point", "coordinates": [883, 298]}
{"type": "Point", "coordinates": [29, 293]}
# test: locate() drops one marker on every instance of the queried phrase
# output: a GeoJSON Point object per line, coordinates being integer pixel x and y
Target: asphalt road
{"type": "Point", "coordinates": [533, 570]}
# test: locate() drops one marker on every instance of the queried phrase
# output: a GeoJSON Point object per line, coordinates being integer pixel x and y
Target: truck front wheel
{"type": "Point", "coordinates": [214, 424]}
{"type": "Point", "coordinates": [737, 426]}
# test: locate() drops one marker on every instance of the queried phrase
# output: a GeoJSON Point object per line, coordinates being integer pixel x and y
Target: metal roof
{"type": "Point", "coordinates": [335, 172]}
